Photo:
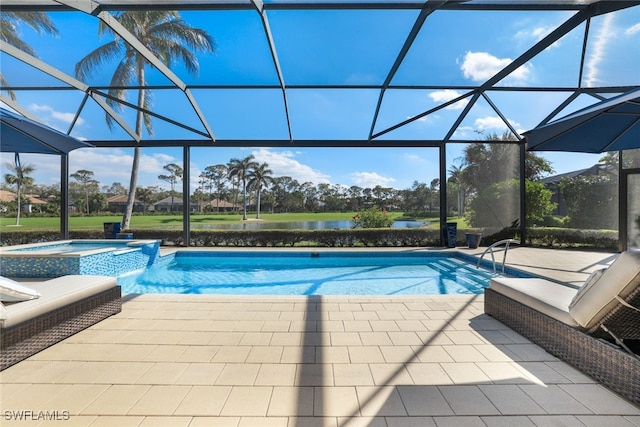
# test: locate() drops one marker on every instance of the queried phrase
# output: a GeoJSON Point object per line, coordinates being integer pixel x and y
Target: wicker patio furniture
{"type": "Point", "coordinates": [594, 328]}
{"type": "Point", "coordinates": [67, 305]}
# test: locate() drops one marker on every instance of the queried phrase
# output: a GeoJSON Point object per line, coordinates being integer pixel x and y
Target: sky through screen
{"type": "Point", "coordinates": [453, 51]}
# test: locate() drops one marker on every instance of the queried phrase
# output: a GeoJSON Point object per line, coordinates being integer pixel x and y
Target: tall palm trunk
{"type": "Point", "coordinates": [135, 166]}
{"type": "Point", "coordinates": [20, 176]}
{"type": "Point", "coordinates": [18, 188]}
{"type": "Point", "coordinates": [244, 199]}
{"type": "Point", "coordinates": [133, 182]}
{"type": "Point", "coordinates": [258, 203]}
{"type": "Point", "coordinates": [235, 186]}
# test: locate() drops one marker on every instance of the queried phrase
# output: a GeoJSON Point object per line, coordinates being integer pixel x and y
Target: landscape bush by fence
{"type": "Point", "coordinates": [573, 238]}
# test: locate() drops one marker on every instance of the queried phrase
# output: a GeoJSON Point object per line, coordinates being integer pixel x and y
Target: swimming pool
{"type": "Point", "coordinates": [309, 273]}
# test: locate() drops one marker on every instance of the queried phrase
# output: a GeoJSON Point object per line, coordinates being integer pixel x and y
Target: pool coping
{"type": "Point", "coordinates": [17, 251]}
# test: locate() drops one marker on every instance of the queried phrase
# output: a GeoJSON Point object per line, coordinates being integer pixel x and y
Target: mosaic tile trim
{"type": "Point", "coordinates": [112, 263]}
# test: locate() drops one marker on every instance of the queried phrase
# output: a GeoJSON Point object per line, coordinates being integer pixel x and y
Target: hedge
{"type": "Point", "coordinates": [388, 237]}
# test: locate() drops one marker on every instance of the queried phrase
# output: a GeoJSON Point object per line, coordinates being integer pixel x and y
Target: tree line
{"type": "Point", "coordinates": [243, 183]}
{"type": "Point", "coordinates": [483, 188]}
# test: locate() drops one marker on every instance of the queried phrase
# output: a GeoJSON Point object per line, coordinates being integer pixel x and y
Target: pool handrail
{"type": "Point", "coordinates": [505, 242]}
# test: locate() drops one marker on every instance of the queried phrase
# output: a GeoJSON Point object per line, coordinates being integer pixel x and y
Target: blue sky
{"type": "Point", "coordinates": [335, 47]}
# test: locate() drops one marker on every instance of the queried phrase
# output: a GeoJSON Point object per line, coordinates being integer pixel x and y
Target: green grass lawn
{"type": "Point", "coordinates": [174, 222]}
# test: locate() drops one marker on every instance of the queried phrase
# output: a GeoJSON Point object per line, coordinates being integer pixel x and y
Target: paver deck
{"type": "Point", "coordinates": [196, 360]}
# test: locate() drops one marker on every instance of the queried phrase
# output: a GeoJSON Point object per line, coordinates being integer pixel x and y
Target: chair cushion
{"type": "Point", "coordinates": [3, 312]}
{"type": "Point", "coordinates": [598, 297]}
{"type": "Point", "coordinates": [56, 293]}
{"type": "Point", "coordinates": [586, 286]}
{"type": "Point", "coordinates": [10, 290]}
{"type": "Point", "coordinates": [543, 295]}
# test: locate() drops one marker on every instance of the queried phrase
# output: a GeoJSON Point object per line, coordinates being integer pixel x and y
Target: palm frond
{"type": "Point", "coordinates": [97, 58]}
{"type": "Point", "coordinates": [178, 53]}
{"type": "Point", "coordinates": [9, 34]}
{"type": "Point", "coordinates": [123, 76]}
{"type": "Point", "coordinates": [179, 31]}
{"type": "Point", "coordinates": [38, 21]}
{"type": "Point", "coordinates": [164, 34]}
{"type": "Point", "coordinates": [5, 84]}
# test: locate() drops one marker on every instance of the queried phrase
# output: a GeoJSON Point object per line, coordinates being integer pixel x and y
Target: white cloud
{"type": "Point", "coordinates": [493, 123]}
{"type": "Point", "coordinates": [635, 29]}
{"type": "Point", "coordinates": [442, 96]}
{"type": "Point", "coordinates": [114, 165]}
{"type": "Point", "coordinates": [490, 122]}
{"type": "Point", "coordinates": [535, 34]}
{"type": "Point", "coordinates": [481, 66]}
{"type": "Point", "coordinates": [463, 132]}
{"type": "Point", "coordinates": [47, 166]}
{"type": "Point", "coordinates": [283, 163]}
{"type": "Point", "coordinates": [55, 118]}
{"type": "Point", "coordinates": [195, 176]}
{"type": "Point", "coordinates": [371, 179]}
{"type": "Point", "coordinates": [598, 51]}
{"type": "Point", "coordinates": [157, 159]}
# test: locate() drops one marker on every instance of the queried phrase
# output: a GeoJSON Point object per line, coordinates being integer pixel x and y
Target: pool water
{"type": "Point", "coordinates": [297, 273]}
{"type": "Point", "coordinates": [75, 247]}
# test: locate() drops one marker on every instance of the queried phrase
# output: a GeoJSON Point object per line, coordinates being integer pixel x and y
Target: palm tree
{"type": "Point", "coordinates": [20, 178]}
{"type": "Point", "coordinates": [260, 176]}
{"type": "Point", "coordinates": [175, 172]}
{"type": "Point", "coordinates": [240, 169]}
{"type": "Point", "coordinates": [9, 21]}
{"type": "Point", "coordinates": [235, 184]}
{"type": "Point", "coordinates": [456, 180]}
{"type": "Point", "coordinates": [170, 39]}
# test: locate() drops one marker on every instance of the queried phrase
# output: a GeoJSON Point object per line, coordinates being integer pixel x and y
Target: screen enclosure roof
{"type": "Point", "coordinates": [327, 73]}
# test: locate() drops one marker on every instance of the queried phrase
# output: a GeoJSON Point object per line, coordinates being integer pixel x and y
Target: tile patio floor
{"type": "Point", "coordinates": [313, 361]}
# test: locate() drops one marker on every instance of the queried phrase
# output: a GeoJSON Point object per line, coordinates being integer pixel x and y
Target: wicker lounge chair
{"type": "Point", "coordinates": [591, 327]}
{"type": "Point", "coordinates": [67, 305]}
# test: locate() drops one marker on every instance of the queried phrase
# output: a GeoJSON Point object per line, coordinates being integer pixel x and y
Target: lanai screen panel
{"type": "Point", "coordinates": [330, 72]}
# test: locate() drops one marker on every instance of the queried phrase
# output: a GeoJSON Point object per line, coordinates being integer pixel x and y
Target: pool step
{"type": "Point", "coordinates": [125, 251]}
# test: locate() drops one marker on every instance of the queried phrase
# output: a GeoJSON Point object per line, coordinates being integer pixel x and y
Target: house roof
{"type": "Point", "coordinates": [593, 170]}
{"type": "Point", "coordinates": [219, 203]}
{"type": "Point", "coordinates": [120, 198]}
{"type": "Point", "coordinates": [9, 196]}
{"type": "Point", "coordinates": [167, 201]}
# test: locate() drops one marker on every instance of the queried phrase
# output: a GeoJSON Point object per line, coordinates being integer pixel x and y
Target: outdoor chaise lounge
{"type": "Point", "coordinates": [59, 308]}
{"type": "Point", "coordinates": [590, 327]}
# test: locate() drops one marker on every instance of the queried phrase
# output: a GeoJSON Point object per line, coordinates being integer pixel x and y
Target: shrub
{"type": "Point", "coordinates": [382, 237]}
{"type": "Point", "coordinates": [372, 218]}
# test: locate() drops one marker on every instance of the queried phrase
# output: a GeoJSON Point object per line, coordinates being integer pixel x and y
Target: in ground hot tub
{"type": "Point", "coordinates": [66, 257]}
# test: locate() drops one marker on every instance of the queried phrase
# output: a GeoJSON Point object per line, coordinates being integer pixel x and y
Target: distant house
{"type": "Point", "coordinates": [552, 182]}
{"type": "Point", "coordinates": [119, 203]}
{"type": "Point", "coordinates": [165, 205]}
{"type": "Point", "coordinates": [32, 201]}
{"type": "Point", "coordinates": [216, 204]}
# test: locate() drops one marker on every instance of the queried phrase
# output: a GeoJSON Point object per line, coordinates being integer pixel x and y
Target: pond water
{"type": "Point", "coordinates": [299, 225]}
